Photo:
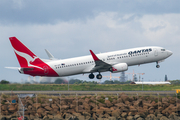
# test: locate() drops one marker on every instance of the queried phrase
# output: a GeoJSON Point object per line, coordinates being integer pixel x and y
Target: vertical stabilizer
{"type": "Point", "coordinates": [29, 62]}
{"type": "Point", "coordinates": [25, 57]}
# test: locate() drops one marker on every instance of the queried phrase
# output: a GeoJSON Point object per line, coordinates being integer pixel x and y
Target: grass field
{"type": "Point", "coordinates": [82, 87]}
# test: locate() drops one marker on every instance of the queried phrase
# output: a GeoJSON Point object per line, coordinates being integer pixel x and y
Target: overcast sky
{"type": "Point", "coordinates": [69, 28]}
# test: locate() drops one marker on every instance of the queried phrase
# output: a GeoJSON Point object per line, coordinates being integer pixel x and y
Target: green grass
{"type": "Point", "coordinates": [81, 87]}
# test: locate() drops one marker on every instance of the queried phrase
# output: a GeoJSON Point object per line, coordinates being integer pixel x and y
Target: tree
{"type": "Point", "coordinates": [75, 81]}
{"type": "Point", "coordinates": [4, 82]}
{"type": "Point", "coordinates": [166, 78]}
{"type": "Point", "coordinates": [94, 82]}
{"type": "Point", "coordinates": [175, 82]}
{"type": "Point", "coordinates": [108, 82]}
{"type": "Point", "coordinates": [59, 81]}
{"type": "Point", "coordinates": [117, 82]}
{"type": "Point", "coordinates": [135, 78]}
{"type": "Point", "coordinates": [29, 83]}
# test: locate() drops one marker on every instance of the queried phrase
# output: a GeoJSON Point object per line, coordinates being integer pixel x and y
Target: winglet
{"type": "Point", "coordinates": [51, 57]}
{"type": "Point", "coordinates": [94, 56]}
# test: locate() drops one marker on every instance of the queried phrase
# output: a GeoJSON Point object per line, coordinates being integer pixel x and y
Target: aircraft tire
{"type": "Point", "coordinates": [157, 66]}
{"type": "Point", "coordinates": [99, 76]}
{"type": "Point", "coordinates": [91, 76]}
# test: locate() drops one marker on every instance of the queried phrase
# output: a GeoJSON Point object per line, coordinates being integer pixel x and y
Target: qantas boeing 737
{"type": "Point", "coordinates": [114, 62]}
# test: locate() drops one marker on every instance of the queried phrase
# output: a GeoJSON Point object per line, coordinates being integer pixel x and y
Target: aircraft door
{"type": "Point", "coordinates": [155, 52]}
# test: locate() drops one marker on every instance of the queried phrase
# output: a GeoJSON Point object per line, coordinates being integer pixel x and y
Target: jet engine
{"type": "Point", "coordinates": [119, 67]}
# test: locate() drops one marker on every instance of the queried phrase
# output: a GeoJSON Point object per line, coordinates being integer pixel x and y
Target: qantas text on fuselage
{"type": "Point", "coordinates": [116, 61]}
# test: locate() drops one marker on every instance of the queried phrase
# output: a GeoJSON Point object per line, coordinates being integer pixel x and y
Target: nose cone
{"type": "Point", "coordinates": [169, 53]}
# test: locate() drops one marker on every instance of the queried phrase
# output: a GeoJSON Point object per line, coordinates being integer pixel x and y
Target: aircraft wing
{"type": "Point", "coordinates": [100, 65]}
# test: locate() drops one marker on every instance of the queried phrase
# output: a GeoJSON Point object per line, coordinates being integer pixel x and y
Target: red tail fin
{"type": "Point", "coordinates": [25, 57]}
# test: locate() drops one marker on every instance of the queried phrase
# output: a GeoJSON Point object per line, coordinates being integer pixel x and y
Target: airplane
{"type": "Point", "coordinates": [153, 83]}
{"type": "Point", "coordinates": [116, 61]}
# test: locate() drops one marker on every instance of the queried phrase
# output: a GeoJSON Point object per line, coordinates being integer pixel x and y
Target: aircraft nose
{"type": "Point", "coordinates": [169, 52]}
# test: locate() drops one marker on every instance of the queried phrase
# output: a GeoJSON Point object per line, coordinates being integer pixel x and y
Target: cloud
{"type": "Point", "coordinates": [106, 31]}
{"type": "Point", "coordinates": [49, 12]}
{"type": "Point", "coordinates": [161, 29]}
{"type": "Point", "coordinates": [18, 4]}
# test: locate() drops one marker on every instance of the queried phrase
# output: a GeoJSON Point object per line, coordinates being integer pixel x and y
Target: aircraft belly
{"type": "Point", "coordinates": [69, 71]}
{"type": "Point", "coordinates": [140, 60]}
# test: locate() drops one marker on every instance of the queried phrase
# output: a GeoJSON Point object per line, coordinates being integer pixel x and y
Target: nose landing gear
{"type": "Point", "coordinates": [157, 66]}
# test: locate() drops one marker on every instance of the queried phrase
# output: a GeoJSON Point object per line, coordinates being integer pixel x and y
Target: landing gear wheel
{"type": "Point", "coordinates": [99, 76]}
{"type": "Point", "coordinates": [91, 76]}
{"type": "Point", "coordinates": [157, 66]}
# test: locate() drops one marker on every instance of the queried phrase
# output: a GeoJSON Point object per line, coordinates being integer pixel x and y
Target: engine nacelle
{"type": "Point", "coordinates": [119, 68]}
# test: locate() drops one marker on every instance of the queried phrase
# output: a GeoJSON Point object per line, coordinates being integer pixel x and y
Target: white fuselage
{"type": "Point", "coordinates": [117, 61]}
{"type": "Point", "coordinates": [153, 83]}
{"type": "Point", "coordinates": [84, 64]}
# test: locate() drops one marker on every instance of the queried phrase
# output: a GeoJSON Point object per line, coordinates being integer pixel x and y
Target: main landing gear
{"type": "Point", "coordinates": [157, 66]}
{"type": "Point", "coordinates": [91, 76]}
{"type": "Point", "coordinates": [98, 76]}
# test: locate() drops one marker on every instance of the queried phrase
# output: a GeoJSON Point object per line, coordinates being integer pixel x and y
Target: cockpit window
{"type": "Point", "coordinates": [163, 49]}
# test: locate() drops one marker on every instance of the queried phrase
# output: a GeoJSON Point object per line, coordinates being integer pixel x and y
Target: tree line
{"type": "Point", "coordinates": [4, 82]}
{"type": "Point", "coordinates": [73, 81]}
{"type": "Point", "coordinates": [77, 81]}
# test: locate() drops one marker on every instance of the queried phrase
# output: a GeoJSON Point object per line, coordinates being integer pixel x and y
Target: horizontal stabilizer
{"type": "Point", "coordinates": [15, 68]}
{"type": "Point", "coordinates": [21, 70]}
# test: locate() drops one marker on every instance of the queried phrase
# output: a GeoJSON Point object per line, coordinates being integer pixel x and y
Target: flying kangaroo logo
{"type": "Point", "coordinates": [28, 58]}
{"type": "Point", "coordinates": [46, 70]}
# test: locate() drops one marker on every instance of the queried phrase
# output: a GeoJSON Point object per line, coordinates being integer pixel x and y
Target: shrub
{"type": "Point", "coordinates": [101, 100]}
{"type": "Point", "coordinates": [4, 82]}
{"type": "Point", "coordinates": [178, 95]}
